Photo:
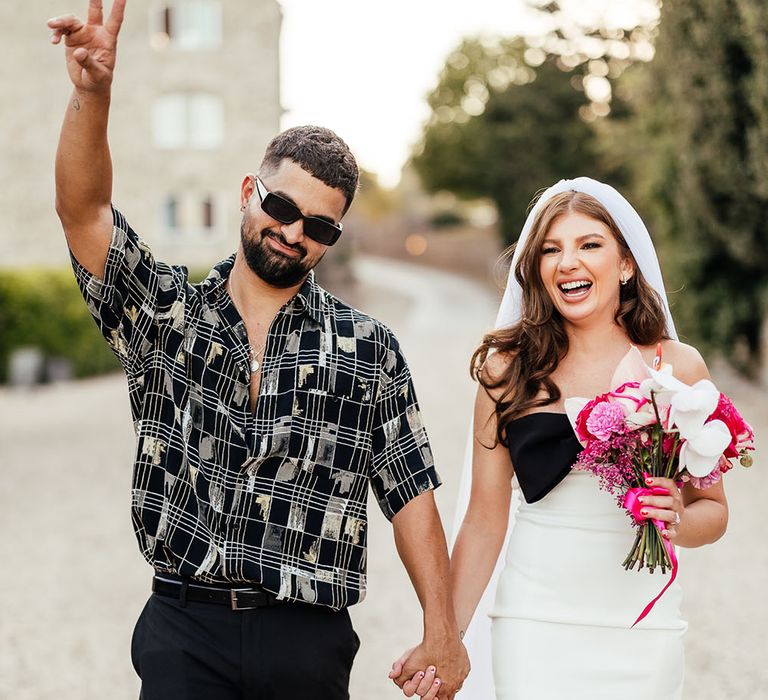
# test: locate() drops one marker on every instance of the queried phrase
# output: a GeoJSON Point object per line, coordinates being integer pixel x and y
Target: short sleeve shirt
{"type": "Point", "coordinates": [275, 496]}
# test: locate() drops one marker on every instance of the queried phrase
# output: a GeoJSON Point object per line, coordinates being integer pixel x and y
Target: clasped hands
{"type": "Point", "coordinates": [432, 671]}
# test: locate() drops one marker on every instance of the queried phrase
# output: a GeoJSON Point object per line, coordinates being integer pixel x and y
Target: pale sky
{"type": "Point", "coordinates": [364, 68]}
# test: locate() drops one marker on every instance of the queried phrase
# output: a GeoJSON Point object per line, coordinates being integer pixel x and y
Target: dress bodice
{"type": "Point", "coordinates": [543, 448]}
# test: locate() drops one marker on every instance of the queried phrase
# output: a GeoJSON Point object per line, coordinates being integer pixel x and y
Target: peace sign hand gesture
{"type": "Point", "coordinates": [91, 46]}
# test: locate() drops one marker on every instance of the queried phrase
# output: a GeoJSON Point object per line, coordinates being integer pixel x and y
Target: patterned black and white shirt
{"type": "Point", "coordinates": [276, 496]}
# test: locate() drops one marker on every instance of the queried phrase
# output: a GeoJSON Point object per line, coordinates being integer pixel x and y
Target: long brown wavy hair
{"type": "Point", "coordinates": [537, 343]}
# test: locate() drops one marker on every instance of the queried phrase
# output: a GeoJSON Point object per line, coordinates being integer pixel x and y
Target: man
{"type": "Point", "coordinates": [263, 406]}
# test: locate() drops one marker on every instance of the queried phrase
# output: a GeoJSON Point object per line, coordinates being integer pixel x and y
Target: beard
{"type": "Point", "coordinates": [270, 265]}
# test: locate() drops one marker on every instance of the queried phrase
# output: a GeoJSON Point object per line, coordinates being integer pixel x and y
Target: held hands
{"type": "Point", "coordinates": [91, 46]}
{"type": "Point", "coordinates": [424, 683]}
{"type": "Point", "coordinates": [669, 509]}
{"type": "Point", "coordinates": [416, 671]}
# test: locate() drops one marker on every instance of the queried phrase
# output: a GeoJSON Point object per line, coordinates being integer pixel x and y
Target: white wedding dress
{"type": "Point", "coordinates": [561, 620]}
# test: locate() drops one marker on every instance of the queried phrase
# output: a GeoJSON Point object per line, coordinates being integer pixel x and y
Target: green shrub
{"type": "Point", "coordinates": [446, 219]}
{"type": "Point", "coordinates": [44, 309]}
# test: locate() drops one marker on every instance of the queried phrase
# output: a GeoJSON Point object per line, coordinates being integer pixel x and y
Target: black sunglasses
{"type": "Point", "coordinates": [280, 209]}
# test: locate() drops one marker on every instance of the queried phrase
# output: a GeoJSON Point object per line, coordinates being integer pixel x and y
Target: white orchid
{"type": "Point", "coordinates": [690, 406]}
{"type": "Point", "coordinates": [701, 451]}
{"type": "Point", "coordinates": [662, 384]}
{"type": "Point", "coordinates": [703, 442]}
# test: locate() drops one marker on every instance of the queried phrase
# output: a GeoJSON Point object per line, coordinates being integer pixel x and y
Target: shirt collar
{"type": "Point", "coordinates": [310, 295]}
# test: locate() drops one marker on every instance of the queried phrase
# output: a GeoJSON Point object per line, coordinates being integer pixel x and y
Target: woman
{"type": "Point", "coordinates": [585, 285]}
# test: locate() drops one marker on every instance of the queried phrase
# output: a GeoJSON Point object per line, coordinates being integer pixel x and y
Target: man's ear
{"type": "Point", "coordinates": [247, 190]}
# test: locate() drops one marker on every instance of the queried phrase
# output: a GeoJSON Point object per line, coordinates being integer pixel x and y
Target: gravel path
{"type": "Point", "coordinates": [73, 581]}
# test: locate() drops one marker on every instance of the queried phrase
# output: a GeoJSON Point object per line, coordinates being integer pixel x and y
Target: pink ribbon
{"type": "Point", "coordinates": [634, 506]}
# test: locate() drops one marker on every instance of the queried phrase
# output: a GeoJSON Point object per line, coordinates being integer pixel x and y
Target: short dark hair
{"type": "Point", "coordinates": [320, 152]}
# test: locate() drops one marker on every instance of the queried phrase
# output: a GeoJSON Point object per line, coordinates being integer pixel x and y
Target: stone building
{"type": "Point", "coordinates": [195, 100]}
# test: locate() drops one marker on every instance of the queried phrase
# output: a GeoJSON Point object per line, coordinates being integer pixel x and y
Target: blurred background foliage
{"type": "Point", "coordinates": [501, 129]}
{"type": "Point", "coordinates": [43, 309]}
{"type": "Point", "coordinates": [673, 112]}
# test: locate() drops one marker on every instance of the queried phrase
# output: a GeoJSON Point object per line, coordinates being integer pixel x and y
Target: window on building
{"type": "Point", "coordinates": [193, 215]}
{"type": "Point", "coordinates": [209, 222]}
{"type": "Point", "coordinates": [188, 120]}
{"type": "Point", "coordinates": [186, 24]}
{"type": "Point", "coordinates": [171, 213]}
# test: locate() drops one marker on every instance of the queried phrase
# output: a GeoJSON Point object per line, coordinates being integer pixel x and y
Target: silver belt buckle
{"type": "Point", "coordinates": [235, 604]}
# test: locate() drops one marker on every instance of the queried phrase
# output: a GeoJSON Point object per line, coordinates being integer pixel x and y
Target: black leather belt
{"type": "Point", "coordinates": [236, 598]}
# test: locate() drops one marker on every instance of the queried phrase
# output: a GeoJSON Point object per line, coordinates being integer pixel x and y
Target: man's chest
{"type": "Point", "coordinates": [303, 374]}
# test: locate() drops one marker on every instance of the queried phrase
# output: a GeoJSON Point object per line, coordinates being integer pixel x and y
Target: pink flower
{"type": "Point", "coordinates": [629, 396]}
{"type": "Point", "coordinates": [582, 431]}
{"type": "Point", "coordinates": [605, 419]}
{"type": "Point", "coordinates": [713, 477]}
{"type": "Point", "coordinates": [742, 435]}
{"type": "Point", "coordinates": [668, 442]}
{"type": "Point", "coordinates": [724, 465]}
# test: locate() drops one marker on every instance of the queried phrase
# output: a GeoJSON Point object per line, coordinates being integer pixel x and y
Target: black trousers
{"type": "Point", "coordinates": [205, 651]}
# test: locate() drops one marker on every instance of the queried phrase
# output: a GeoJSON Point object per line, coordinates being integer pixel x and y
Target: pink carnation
{"type": "Point", "coordinates": [582, 432]}
{"type": "Point", "coordinates": [605, 419]}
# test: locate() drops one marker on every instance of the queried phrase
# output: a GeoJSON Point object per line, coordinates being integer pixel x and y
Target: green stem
{"type": "Point", "coordinates": [655, 407]}
{"type": "Point", "coordinates": [629, 562]}
{"type": "Point", "coordinates": [643, 547]}
{"type": "Point", "coordinates": [669, 471]}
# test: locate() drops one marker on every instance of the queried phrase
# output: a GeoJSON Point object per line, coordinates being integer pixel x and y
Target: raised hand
{"type": "Point", "coordinates": [91, 47]}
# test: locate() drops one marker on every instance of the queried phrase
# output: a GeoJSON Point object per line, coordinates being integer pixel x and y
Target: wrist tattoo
{"type": "Point", "coordinates": [76, 105]}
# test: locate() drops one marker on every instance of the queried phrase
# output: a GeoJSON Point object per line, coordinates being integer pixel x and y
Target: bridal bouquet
{"type": "Point", "coordinates": [651, 424]}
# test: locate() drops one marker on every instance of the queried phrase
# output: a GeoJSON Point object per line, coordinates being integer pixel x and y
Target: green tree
{"type": "Point", "coordinates": [700, 167]}
{"type": "Point", "coordinates": [503, 130]}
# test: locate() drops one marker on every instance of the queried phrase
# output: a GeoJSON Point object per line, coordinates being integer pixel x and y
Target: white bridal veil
{"type": "Point", "coordinates": [479, 684]}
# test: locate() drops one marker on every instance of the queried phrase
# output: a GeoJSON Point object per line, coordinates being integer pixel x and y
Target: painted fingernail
{"type": "Point", "coordinates": [420, 674]}
{"type": "Point", "coordinates": [644, 512]}
{"type": "Point", "coordinates": [437, 682]}
{"type": "Point", "coordinates": [431, 669]}
{"type": "Point", "coordinates": [649, 480]}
